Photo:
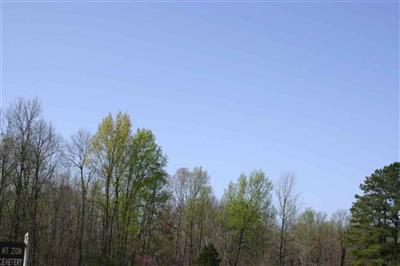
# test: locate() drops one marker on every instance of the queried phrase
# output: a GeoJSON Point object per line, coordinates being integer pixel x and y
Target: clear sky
{"type": "Point", "coordinates": [310, 88]}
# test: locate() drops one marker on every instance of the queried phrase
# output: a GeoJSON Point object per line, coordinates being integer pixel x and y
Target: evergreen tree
{"type": "Point", "coordinates": [375, 223]}
{"type": "Point", "coordinates": [209, 256]}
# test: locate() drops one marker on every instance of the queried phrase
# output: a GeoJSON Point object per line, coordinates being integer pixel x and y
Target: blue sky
{"type": "Point", "coordinates": [310, 88]}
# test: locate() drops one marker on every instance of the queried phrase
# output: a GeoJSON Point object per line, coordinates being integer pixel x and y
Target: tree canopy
{"type": "Point", "coordinates": [106, 198]}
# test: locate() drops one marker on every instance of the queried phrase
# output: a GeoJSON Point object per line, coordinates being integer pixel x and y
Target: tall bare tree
{"type": "Point", "coordinates": [23, 116]}
{"type": "Point", "coordinates": [6, 162]}
{"type": "Point", "coordinates": [287, 209]}
{"type": "Point", "coordinates": [341, 220]}
{"type": "Point", "coordinates": [78, 152]}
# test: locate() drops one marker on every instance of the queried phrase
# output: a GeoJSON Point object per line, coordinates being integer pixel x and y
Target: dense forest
{"type": "Point", "coordinates": [105, 198]}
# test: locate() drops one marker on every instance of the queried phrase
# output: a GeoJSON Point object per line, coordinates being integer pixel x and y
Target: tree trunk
{"type": "Point", "coordinates": [239, 246]}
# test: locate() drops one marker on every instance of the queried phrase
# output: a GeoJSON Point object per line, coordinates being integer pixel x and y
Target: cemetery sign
{"type": "Point", "coordinates": [12, 253]}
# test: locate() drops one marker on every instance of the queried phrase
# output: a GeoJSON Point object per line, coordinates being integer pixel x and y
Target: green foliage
{"type": "Point", "coordinates": [245, 202]}
{"type": "Point", "coordinates": [132, 172]}
{"type": "Point", "coordinates": [209, 256]}
{"type": "Point", "coordinates": [244, 209]}
{"type": "Point", "coordinates": [375, 222]}
{"type": "Point", "coordinates": [109, 145]}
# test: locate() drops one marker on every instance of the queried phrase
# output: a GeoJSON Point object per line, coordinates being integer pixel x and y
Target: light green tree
{"type": "Point", "coordinates": [109, 150]}
{"type": "Point", "coordinates": [244, 206]}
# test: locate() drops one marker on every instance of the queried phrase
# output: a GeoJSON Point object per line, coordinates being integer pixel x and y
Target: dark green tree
{"type": "Point", "coordinates": [209, 256]}
{"type": "Point", "coordinates": [374, 233]}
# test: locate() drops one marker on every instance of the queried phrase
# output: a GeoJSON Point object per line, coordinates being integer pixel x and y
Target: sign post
{"type": "Point", "coordinates": [26, 242]}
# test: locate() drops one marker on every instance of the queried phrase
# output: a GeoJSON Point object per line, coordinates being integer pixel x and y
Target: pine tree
{"type": "Point", "coordinates": [374, 234]}
{"type": "Point", "coordinates": [209, 256]}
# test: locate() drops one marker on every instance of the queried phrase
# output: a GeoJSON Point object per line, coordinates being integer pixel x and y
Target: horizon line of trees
{"type": "Point", "coordinates": [107, 199]}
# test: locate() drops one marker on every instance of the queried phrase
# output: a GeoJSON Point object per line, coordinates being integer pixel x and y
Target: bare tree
{"type": "Point", "coordinates": [179, 186]}
{"type": "Point", "coordinates": [287, 209]}
{"type": "Point", "coordinates": [44, 157]}
{"type": "Point", "coordinates": [33, 156]}
{"type": "Point", "coordinates": [77, 153]}
{"type": "Point", "coordinates": [341, 222]}
{"type": "Point", "coordinates": [6, 162]}
{"type": "Point", "coordinates": [22, 117]}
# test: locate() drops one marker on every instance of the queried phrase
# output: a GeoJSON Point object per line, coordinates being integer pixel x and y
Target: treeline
{"type": "Point", "coordinates": [106, 199]}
